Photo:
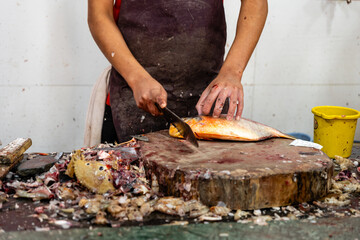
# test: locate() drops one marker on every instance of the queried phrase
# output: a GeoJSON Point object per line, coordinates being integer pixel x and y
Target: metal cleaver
{"type": "Point", "coordinates": [183, 128]}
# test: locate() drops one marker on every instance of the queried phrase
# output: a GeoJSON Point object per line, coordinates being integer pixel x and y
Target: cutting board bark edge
{"type": "Point", "coordinates": [266, 191]}
{"type": "Point", "coordinates": [242, 192]}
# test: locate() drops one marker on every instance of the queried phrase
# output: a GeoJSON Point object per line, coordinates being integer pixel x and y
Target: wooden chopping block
{"type": "Point", "coordinates": [14, 150]}
{"type": "Point", "coordinates": [243, 175]}
{"type": "Point", "coordinates": [12, 153]}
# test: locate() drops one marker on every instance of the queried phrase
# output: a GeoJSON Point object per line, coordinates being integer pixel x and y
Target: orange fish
{"type": "Point", "coordinates": [206, 127]}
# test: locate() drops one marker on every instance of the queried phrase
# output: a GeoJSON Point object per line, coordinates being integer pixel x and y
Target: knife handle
{"type": "Point", "coordinates": [158, 107]}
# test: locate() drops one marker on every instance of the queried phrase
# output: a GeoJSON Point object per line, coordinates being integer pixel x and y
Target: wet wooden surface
{"type": "Point", "coordinates": [243, 175]}
{"type": "Point", "coordinates": [11, 152]}
{"type": "Point", "coordinates": [5, 168]}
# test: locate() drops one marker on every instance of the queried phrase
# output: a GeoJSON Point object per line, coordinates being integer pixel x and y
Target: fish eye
{"type": "Point", "coordinates": [101, 168]}
{"type": "Point", "coordinates": [87, 164]}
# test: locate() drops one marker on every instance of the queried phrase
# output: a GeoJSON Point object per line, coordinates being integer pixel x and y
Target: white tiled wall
{"type": "Point", "coordinates": [308, 55]}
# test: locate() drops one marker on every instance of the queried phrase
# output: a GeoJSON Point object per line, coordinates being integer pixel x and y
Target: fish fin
{"type": "Point", "coordinates": [283, 135]}
{"type": "Point", "coordinates": [70, 167]}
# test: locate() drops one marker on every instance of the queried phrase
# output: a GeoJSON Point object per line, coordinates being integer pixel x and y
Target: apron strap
{"type": "Point", "coordinates": [116, 10]}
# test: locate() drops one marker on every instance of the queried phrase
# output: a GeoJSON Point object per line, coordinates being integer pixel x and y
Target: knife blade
{"type": "Point", "coordinates": [183, 128]}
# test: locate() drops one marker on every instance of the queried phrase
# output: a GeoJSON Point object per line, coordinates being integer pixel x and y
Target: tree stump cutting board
{"type": "Point", "coordinates": [243, 175]}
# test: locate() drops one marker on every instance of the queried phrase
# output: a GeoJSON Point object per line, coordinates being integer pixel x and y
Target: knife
{"type": "Point", "coordinates": [183, 128]}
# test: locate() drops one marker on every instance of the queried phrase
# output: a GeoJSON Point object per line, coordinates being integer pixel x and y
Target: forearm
{"type": "Point", "coordinates": [250, 24]}
{"type": "Point", "coordinates": [111, 42]}
{"type": "Point", "coordinates": [146, 90]}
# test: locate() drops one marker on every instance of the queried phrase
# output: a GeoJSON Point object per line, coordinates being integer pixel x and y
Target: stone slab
{"type": "Point", "coordinates": [36, 165]}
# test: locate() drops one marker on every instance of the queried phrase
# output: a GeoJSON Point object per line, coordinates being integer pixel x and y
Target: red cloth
{"type": "Point", "coordinates": [108, 99]}
{"type": "Point", "coordinates": [116, 9]}
{"type": "Point", "coordinates": [116, 12]}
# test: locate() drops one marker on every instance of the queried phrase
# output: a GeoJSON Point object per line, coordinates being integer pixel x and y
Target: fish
{"type": "Point", "coordinates": [103, 171]}
{"type": "Point", "coordinates": [92, 174]}
{"type": "Point", "coordinates": [209, 128]}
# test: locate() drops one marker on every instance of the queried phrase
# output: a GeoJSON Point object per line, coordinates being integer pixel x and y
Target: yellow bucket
{"type": "Point", "coordinates": [334, 129]}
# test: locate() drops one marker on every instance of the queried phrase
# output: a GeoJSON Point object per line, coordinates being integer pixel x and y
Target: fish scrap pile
{"type": "Point", "coordinates": [107, 185]}
{"type": "Point", "coordinates": [345, 183]}
{"type": "Point", "coordinates": [109, 170]}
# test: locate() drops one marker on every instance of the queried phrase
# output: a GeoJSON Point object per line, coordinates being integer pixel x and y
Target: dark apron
{"type": "Point", "coordinates": [181, 44]}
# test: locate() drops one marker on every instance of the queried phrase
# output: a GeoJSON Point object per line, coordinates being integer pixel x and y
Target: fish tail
{"type": "Point", "coordinates": [283, 135]}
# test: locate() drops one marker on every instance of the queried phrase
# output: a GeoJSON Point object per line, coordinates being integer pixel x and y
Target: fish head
{"type": "Point", "coordinates": [191, 121]}
{"type": "Point", "coordinates": [94, 175]}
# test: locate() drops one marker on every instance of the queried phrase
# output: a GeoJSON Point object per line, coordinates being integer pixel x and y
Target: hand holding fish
{"type": "Point", "coordinates": [148, 92]}
{"type": "Point", "coordinates": [225, 85]}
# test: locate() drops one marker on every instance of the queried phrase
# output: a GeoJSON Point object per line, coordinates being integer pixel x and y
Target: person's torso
{"type": "Point", "coordinates": [180, 43]}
